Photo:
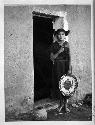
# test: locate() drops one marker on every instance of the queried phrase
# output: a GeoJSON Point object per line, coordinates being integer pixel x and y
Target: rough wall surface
{"type": "Point", "coordinates": [79, 20]}
{"type": "Point", "coordinates": [18, 39]}
{"type": "Point", "coordinates": [18, 67]}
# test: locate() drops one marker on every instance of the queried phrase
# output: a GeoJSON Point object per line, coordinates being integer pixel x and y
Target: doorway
{"type": "Point", "coordinates": [42, 39]}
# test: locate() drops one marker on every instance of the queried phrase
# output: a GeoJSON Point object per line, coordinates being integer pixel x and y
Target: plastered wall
{"type": "Point", "coordinates": [18, 52]}
{"type": "Point", "coordinates": [18, 61]}
{"type": "Point", "coordinates": [79, 18]}
{"type": "Point", "coordinates": [79, 21]}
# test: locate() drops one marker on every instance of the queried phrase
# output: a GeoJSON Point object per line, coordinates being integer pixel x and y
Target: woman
{"type": "Point", "coordinates": [60, 56]}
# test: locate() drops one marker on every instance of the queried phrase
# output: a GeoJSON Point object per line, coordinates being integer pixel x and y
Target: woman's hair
{"type": "Point", "coordinates": [62, 30]}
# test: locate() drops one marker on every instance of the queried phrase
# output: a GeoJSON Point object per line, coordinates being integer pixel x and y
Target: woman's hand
{"type": "Point", "coordinates": [61, 50]}
{"type": "Point", "coordinates": [53, 56]}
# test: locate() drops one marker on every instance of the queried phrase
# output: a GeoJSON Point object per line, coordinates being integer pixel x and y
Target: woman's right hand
{"type": "Point", "coordinates": [61, 50]}
{"type": "Point", "coordinates": [53, 57]}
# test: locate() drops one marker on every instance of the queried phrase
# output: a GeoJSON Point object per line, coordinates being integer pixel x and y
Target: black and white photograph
{"type": "Point", "coordinates": [48, 62]}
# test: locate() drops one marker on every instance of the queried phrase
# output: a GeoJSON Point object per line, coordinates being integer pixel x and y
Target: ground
{"type": "Point", "coordinates": [81, 113]}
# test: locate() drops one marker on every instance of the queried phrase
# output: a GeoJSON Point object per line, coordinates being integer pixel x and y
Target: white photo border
{"type": "Point", "coordinates": [51, 2]}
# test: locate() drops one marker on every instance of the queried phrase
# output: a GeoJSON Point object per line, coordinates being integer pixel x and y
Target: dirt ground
{"type": "Point", "coordinates": [80, 113]}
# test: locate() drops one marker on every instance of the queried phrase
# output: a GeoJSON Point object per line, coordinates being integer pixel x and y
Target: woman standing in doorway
{"type": "Point", "coordinates": [60, 56]}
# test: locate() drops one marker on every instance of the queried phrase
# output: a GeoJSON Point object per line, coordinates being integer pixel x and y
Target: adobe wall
{"type": "Point", "coordinates": [18, 52]}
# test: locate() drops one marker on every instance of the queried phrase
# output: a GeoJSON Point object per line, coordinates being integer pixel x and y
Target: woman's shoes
{"type": "Point", "coordinates": [67, 110]}
{"type": "Point", "coordinates": [61, 110]}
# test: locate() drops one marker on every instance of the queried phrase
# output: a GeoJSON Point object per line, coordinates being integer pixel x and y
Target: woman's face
{"type": "Point", "coordinates": [61, 36]}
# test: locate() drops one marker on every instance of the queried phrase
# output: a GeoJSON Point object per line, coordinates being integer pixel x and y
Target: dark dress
{"type": "Point", "coordinates": [60, 67]}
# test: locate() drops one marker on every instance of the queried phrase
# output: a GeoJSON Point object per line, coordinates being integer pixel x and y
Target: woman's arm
{"type": "Point", "coordinates": [54, 56]}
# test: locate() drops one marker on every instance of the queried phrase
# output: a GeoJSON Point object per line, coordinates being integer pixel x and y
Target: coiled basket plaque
{"type": "Point", "coordinates": [68, 84]}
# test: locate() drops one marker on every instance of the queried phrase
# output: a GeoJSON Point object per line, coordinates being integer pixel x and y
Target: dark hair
{"type": "Point", "coordinates": [62, 30]}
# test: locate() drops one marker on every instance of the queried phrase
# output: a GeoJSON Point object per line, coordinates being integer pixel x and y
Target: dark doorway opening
{"type": "Point", "coordinates": [42, 39]}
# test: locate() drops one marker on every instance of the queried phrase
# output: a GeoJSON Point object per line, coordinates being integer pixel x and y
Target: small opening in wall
{"type": "Point", "coordinates": [42, 39]}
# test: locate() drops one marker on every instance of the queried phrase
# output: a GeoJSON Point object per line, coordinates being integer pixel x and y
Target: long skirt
{"type": "Point", "coordinates": [60, 68]}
